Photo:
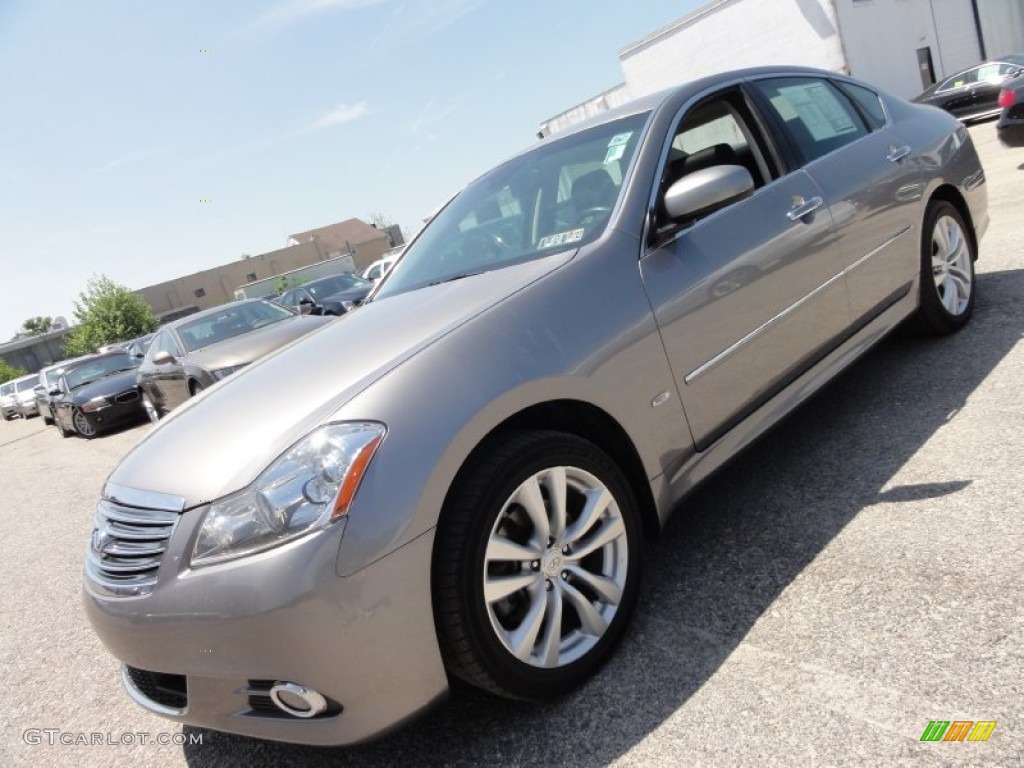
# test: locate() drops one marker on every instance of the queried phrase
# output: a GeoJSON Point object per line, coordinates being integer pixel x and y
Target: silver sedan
{"type": "Point", "coordinates": [459, 479]}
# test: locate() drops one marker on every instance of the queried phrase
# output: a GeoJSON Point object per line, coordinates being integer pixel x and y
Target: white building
{"type": "Point", "coordinates": [900, 45]}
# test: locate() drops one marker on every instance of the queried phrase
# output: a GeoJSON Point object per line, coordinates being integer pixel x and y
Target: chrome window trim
{"type": "Point", "coordinates": [736, 346]}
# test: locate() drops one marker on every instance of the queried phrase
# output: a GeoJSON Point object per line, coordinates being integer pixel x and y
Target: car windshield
{"type": "Point", "coordinates": [23, 385]}
{"type": "Point", "coordinates": [321, 289]}
{"type": "Point", "coordinates": [555, 197]}
{"type": "Point", "coordinates": [94, 370]}
{"type": "Point", "coordinates": [232, 320]}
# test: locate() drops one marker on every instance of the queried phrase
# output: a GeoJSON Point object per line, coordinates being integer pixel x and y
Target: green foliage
{"type": "Point", "coordinates": [37, 325]}
{"type": "Point", "coordinates": [282, 283]}
{"type": "Point", "coordinates": [107, 312]}
{"type": "Point", "coordinates": [8, 371]}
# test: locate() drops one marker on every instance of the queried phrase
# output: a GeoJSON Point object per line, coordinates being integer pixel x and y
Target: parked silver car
{"type": "Point", "coordinates": [18, 399]}
{"type": "Point", "coordinates": [459, 478]}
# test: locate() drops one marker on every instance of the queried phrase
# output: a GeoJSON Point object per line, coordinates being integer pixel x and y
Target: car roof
{"type": "Point", "coordinates": [79, 362]}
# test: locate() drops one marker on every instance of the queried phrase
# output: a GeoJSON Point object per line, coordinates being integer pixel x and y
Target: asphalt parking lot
{"type": "Point", "coordinates": [855, 575]}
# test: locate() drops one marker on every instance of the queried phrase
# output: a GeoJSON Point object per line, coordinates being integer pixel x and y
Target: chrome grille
{"type": "Point", "coordinates": [126, 548]}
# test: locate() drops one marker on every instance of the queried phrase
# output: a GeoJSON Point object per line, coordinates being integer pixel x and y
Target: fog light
{"type": "Point", "coordinates": [297, 700]}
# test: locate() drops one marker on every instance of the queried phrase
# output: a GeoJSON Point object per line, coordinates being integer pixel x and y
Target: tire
{"type": "Point", "coordinates": [47, 420]}
{"type": "Point", "coordinates": [486, 534]}
{"type": "Point", "coordinates": [947, 271]}
{"type": "Point", "coordinates": [60, 428]}
{"type": "Point", "coordinates": [151, 410]}
{"type": "Point", "coordinates": [82, 425]}
{"type": "Point", "coordinates": [5, 416]}
{"type": "Point", "coordinates": [194, 388]}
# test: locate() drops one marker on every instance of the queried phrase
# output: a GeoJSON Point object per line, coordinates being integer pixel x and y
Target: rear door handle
{"type": "Point", "coordinates": [803, 207]}
{"type": "Point", "coordinates": [897, 153]}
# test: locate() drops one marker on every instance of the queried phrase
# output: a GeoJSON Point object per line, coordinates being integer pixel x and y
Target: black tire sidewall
{"type": "Point", "coordinates": [513, 676]}
{"type": "Point", "coordinates": [933, 314]}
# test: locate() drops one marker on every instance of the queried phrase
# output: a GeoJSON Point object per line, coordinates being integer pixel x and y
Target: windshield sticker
{"type": "Point", "coordinates": [561, 238]}
{"type": "Point", "coordinates": [614, 153]}
{"type": "Point", "coordinates": [619, 139]}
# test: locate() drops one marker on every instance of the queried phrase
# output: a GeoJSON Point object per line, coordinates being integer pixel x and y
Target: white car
{"type": "Point", "coordinates": [18, 399]}
{"type": "Point", "coordinates": [379, 268]}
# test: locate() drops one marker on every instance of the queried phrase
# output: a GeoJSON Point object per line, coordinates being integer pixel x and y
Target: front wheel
{"type": "Point", "coordinates": [947, 271]}
{"type": "Point", "coordinates": [536, 565]}
{"type": "Point", "coordinates": [82, 425]}
{"type": "Point", "coordinates": [150, 408]}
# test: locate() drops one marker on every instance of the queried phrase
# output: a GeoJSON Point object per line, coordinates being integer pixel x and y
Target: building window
{"type": "Point", "coordinates": [199, 293]}
{"type": "Point", "coordinates": [251, 277]}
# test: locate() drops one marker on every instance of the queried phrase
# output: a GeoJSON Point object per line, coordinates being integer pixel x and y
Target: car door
{"type": "Point", "coordinates": [164, 383]}
{"type": "Point", "coordinates": [868, 176]}
{"type": "Point", "coordinates": [750, 295]}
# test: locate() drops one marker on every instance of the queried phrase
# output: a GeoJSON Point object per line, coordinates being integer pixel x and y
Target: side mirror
{"type": "Point", "coordinates": [163, 358]}
{"type": "Point", "coordinates": [53, 392]}
{"type": "Point", "coordinates": [705, 191]}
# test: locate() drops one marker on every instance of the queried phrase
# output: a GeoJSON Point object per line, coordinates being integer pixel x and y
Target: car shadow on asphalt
{"type": "Point", "coordinates": [719, 565]}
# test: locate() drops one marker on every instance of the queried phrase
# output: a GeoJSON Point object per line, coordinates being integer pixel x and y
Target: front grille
{"type": "Point", "coordinates": [127, 397]}
{"type": "Point", "coordinates": [126, 548]}
{"type": "Point", "coordinates": [165, 689]}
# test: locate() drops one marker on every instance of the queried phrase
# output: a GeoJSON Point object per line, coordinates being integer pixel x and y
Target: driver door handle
{"type": "Point", "coordinates": [897, 153]}
{"type": "Point", "coordinates": [802, 208]}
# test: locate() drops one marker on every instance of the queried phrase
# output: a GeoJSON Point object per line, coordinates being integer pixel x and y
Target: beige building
{"type": "Point", "coordinates": [212, 287]}
{"type": "Point", "coordinates": [353, 237]}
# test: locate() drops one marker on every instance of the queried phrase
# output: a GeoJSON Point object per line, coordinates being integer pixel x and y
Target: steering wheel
{"type": "Point", "coordinates": [593, 214]}
{"type": "Point", "coordinates": [483, 244]}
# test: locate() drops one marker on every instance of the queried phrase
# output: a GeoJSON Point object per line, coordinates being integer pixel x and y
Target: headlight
{"type": "Point", "coordinates": [348, 306]}
{"type": "Point", "coordinates": [96, 404]}
{"type": "Point", "coordinates": [305, 489]}
{"type": "Point", "coordinates": [220, 373]}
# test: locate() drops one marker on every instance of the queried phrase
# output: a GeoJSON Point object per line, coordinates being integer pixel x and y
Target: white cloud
{"type": "Point", "coordinates": [341, 114]}
{"type": "Point", "coordinates": [290, 11]}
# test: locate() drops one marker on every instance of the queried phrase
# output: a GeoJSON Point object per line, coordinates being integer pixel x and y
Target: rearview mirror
{"type": "Point", "coordinates": [53, 392]}
{"type": "Point", "coordinates": [705, 191]}
{"type": "Point", "coordinates": [163, 357]}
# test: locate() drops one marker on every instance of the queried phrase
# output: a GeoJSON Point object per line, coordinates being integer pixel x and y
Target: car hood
{"type": "Point", "coordinates": [105, 387]}
{"type": "Point", "coordinates": [221, 440]}
{"type": "Point", "coordinates": [252, 345]}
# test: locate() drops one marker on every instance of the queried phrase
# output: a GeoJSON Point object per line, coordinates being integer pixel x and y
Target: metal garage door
{"type": "Point", "coordinates": [957, 36]}
{"type": "Point", "coordinates": [1002, 26]}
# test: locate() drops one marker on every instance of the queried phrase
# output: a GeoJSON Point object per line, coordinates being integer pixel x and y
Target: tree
{"type": "Point", "coordinates": [107, 312]}
{"type": "Point", "coordinates": [380, 220]}
{"type": "Point", "coordinates": [36, 325]}
{"type": "Point", "coordinates": [8, 371]}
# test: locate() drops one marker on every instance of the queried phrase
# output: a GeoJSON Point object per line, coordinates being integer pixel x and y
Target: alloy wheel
{"type": "Point", "coordinates": [951, 265]}
{"type": "Point", "coordinates": [555, 567]}
{"type": "Point", "coordinates": [82, 425]}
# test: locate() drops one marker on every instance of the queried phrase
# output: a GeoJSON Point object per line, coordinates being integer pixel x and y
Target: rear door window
{"type": "Point", "coordinates": [817, 118]}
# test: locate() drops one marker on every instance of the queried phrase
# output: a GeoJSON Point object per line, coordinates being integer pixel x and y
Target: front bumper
{"type": "Point", "coordinates": [118, 413]}
{"type": "Point", "coordinates": [366, 642]}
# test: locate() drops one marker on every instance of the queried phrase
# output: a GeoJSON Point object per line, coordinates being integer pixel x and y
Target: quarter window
{"type": "Point", "coordinates": [868, 102]}
{"type": "Point", "coordinates": [814, 114]}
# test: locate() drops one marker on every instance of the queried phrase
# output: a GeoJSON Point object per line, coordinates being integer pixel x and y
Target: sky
{"type": "Point", "coordinates": [149, 140]}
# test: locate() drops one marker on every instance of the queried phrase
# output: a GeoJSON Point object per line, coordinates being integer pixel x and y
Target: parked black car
{"type": "Point", "coordinates": [1010, 127]}
{"type": "Point", "coordinates": [97, 393]}
{"type": "Point", "coordinates": [973, 93]}
{"type": "Point", "coordinates": [334, 295]}
{"type": "Point", "coordinates": [48, 378]}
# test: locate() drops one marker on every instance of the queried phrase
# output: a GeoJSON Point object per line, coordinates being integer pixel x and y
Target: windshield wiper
{"type": "Point", "coordinates": [459, 276]}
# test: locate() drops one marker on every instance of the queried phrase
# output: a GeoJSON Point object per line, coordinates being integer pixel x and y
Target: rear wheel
{"type": "Point", "coordinates": [6, 417]}
{"type": "Point", "coordinates": [194, 388]}
{"type": "Point", "coordinates": [947, 271]}
{"type": "Point", "coordinates": [536, 565]}
{"type": "Point", "coordinates": [60, 427]}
